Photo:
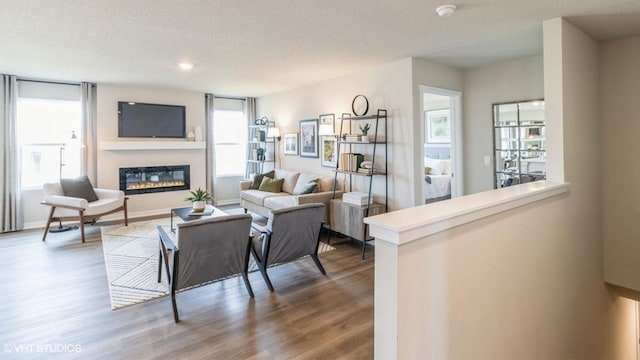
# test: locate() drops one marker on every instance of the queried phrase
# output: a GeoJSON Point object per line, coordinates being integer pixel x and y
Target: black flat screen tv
{"type": "Point", "coordinates": [151, 120]}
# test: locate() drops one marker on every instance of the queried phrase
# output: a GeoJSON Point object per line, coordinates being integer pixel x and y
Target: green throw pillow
{"type": "Point", "coordinates": [257, 180]}
{"type": "Point", "coordinates": [271, 185]}
{"type": "Point", "coordinates": [307, 189]}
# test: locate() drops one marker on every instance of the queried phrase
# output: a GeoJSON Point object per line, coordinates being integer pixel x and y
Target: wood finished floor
{"type": "Point", "coordinates": [56, 293]}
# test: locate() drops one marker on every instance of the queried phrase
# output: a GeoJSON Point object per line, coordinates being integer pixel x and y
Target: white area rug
{"type": "Point", "coordinates": [131, 257]}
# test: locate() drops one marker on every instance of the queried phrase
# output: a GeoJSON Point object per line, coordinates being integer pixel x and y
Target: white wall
{"type": "Point", "coordinates": [425, 73]}
{"type": "Point", "coordinates": [386, 86]}
{"type": "Point", "coordinates": [110, 161]}
{"type": "Point", "coordinates": [522, 284]}
{"type": "Point", "coordinates": [619, 166]}
{"type": "Point", "coordinates": [508, 81]}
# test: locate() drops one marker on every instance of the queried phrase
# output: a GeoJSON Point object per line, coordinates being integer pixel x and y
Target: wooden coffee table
{"type": "Point", "coordinates": [184, 213]}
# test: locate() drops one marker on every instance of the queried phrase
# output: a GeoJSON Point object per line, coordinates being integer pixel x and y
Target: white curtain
{"type": "Point", "coordinates": [89, 130]}
{"type": "Point", "coordinates": [210, 155]}
{"type": "Point", "coordinates": [10, 196]}
{"type": "Point", "coordinates": [250, 117]}
{"type": "Point", "coordinates": [250, 110]}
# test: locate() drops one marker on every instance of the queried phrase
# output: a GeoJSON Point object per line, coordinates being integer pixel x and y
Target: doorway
{"type": "Point", "coordinates": [441, 176]}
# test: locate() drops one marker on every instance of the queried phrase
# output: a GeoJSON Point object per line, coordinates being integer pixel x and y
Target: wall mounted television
{"type": "Point", "coordinates": [151, 120]}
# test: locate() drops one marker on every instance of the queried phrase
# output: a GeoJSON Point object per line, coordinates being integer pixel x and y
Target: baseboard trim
{"type": "Point", "coordinates": [228, 202]}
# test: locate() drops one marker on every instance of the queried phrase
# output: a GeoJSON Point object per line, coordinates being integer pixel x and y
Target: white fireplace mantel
{"type": "Point", "coordinates": [152, 145]}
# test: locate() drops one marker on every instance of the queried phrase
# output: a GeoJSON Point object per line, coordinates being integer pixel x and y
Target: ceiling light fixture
{"type": "Point", "coordinates": [185, 66]}
{"type": "Point", "coordinates": [446, 10]}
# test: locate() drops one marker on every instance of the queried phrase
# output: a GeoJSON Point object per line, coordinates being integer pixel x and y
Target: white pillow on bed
{"type": "Point", "coordinates": [447, 166]}
{"type": "Point", "coordinates": [437, 166]}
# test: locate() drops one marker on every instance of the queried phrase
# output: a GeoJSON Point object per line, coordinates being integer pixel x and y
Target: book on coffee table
{"type": "Point", "coordinates": [207, 211]}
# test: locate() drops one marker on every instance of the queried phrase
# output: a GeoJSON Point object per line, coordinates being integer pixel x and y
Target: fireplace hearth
{"type": "Point", "coordinates": [151, 179]}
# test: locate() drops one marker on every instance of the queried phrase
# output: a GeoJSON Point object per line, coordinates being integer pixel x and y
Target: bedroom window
{"type": "Point", "coordinates": [229, 137]}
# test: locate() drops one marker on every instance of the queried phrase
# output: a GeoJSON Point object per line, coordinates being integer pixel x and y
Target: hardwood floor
{"type": "Point", "coordinates": [55, 294]}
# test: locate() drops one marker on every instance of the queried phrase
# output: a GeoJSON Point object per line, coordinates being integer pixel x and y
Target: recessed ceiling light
{"type": "Point", "coordinates": [185, 66]}
{"type": "Point", "coordinates": [445, 10]}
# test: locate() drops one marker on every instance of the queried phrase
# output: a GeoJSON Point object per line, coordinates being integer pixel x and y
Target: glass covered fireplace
{"type": "Point", "coordinates": [150, 179]}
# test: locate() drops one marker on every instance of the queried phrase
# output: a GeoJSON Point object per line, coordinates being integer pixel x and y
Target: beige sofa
{"type": "Point", "coordinates": [262, 202]}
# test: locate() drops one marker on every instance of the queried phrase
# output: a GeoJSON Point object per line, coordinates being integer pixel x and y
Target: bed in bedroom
{"type": "Point", "coordinates": [437, 175]}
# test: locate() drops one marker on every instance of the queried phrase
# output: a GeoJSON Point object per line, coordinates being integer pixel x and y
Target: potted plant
{"type": "Point", "coordinates": [365, 129]}
{"type": "Point", "coordinates": [199, 198]}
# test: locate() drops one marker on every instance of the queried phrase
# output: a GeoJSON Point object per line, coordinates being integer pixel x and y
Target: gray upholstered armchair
{"type": "Point", "coordinates": [205, 250]}
{"type": "Point", "coordinates": [290, 233]}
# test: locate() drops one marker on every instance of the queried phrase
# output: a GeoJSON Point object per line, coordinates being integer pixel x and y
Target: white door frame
{"type": "Point", "coordinates": [455, 103]}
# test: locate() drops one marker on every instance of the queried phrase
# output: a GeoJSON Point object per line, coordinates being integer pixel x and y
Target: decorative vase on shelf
{"type": "Point", "coordinates": [365, 130]}
{"type": "Point", "coordinates": [198, 133]}
{"type": "Point", "coordinates": [190, 136]}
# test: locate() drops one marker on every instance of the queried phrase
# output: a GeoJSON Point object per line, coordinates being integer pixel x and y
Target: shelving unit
{"type": "Point", "coordinates": [257, 139]}
{"type": "Point", "coordinates": [348, 218]}
{"type": "Point", "coordinates": [519, 142]}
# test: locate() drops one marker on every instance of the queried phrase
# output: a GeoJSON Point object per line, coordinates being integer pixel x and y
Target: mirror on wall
{"type": "Point", "coordinates": [519, 142]}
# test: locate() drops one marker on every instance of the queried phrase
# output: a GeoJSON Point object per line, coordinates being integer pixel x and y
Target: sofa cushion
{"type": "Point", "coordinates": [326, 183]}
{"type": "Point", "coordinates": [279, 202]}
{"type": "Point", "coordinates": [258, 197]}
{"type": "Point", "coordinates": [303, 180]}
{"type": "Point", "coordinates": [308, 188]}
{"type": "Point", "coordinates": [79, 187]}
{"type": "Point", "coordinates": [290, 179]}
{"type": "Point", "coordinates": [271, 185]}
{"type": "Point", "coordinates": [257, 179]}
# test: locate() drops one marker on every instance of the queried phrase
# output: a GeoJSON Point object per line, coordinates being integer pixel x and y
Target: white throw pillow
{"type": "Point", "coordinates": [447, 166]}
{"type": "Point", "coordinates": [437, 166]}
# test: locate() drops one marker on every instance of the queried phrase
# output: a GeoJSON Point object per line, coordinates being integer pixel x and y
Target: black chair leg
{"type": "Point", "coordinates": [160, 265]}
{"type": "Point", "coordinates": [175, 307]}
{"type": "Point", "coordinates": [247, 284]}
{"type": "Point", "coordinates": [318, 264]}
{"type": "Point", "coordinates": [263, 271]}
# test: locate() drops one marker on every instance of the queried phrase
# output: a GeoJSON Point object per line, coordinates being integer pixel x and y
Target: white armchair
{"type": "Point", "coordinates": [66, 208]}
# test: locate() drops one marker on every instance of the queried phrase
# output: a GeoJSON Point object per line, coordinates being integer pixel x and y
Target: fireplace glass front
{"type": "Point", "coordinates": [150, 179]}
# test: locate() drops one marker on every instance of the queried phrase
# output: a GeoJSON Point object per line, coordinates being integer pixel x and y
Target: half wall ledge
{"type": "Point", "coordinates": [407, 225]}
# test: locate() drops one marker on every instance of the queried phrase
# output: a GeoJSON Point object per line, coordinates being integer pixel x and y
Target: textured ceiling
{"type": "Point", "coordinates": [255, 48]}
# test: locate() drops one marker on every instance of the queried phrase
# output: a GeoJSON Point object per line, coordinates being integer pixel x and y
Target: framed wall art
{"type": "Point", "coordinates": [327, 122]}
{"type": "Point", "coordinates": [290, 142]}
{"type": "Point", "coordinates": [309, 138]}
{"type": "Point", "coordinates": [438, 126]}
{"type": "Point", "coordinates": [329, 148]}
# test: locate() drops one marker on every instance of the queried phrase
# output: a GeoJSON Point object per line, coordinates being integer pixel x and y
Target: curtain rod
{"type": "Point", "coordinates": [229, 98]}
{"type": "Point", "coordinates": [49, 82]}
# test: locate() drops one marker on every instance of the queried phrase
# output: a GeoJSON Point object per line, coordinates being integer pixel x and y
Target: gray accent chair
{"type": "Point", "coordinates": [290, 234]}
{"type": "Point", "coordinates": [203, 251]}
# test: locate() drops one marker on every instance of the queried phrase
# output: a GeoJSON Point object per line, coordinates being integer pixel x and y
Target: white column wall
{"type": "Point", "coordinates": [524, 283]}
{"type": "Point", "coordinates": [619, 165]}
